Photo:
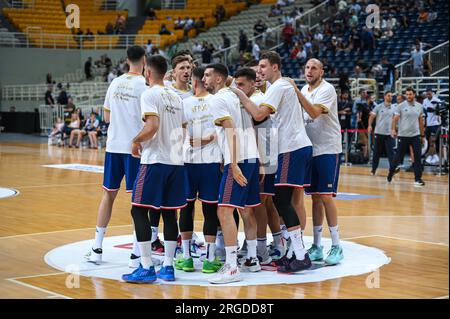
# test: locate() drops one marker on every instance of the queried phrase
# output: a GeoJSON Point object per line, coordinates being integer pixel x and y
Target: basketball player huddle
{"type": "Point", "coordinates": [248, 146]}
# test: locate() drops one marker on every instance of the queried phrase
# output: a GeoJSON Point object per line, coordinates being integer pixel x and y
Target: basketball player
{"type": "Point", "coordinates": [202, 157]}
{"type": "Point", "coordinates": [160, 181]}
{"type": "Point", "coordinates": [294, 158]}
{"type": "Point", "coordinates": [123, 112]}
{"type": "Point", "coordinates": [239, 187]}
{"type": "Point", "coordinates": [245, 80]}
{"type": "Point", "coordinates": [319, 100]}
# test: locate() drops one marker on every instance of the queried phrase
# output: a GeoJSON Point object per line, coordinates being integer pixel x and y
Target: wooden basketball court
{"type": "Point", "coordinates": [56, 207]}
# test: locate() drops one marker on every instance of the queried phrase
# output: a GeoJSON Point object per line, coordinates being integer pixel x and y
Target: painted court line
{"type": "Point", "coordinates": [58, 231]}
{"type": "Point", "coordinates": [56, 185]}
{"type": "Point", "coordinates": [413, 240]}
{"type": "Point", "coordinates": [51, 293]}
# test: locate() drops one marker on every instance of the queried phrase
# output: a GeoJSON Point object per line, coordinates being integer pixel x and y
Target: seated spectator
{"type": "Point", "coordinates": [404, 22]}
{"type": "Point", "coordinates": [287, 19]}
{"type": "Point", "coordinates": [219, 14]}
{"type": "Point", "coordinates": [48, 96]}
{"type": "Point", "coordinates": [287, 34]}
{"type": "Point", "coordinates": [178, 23]}
{"type": "Point", "coordinates": [72, 129]}
{"type": "Point", "coordinates": [342, 5]}
{"type": "Point", "coordinates": [196, 48]}
{"type": "Point", "coordinates": [49, 79]}
{"type": "Point", "coordinates": [151, 14]}
{"type": "Point", "coordinates": [423, 16]}
{"type": "Point", "coordinates": [90, 128]}
{"type": "Point", "coordinates": [200, 25]}
{"type": "Point", "coordinates": [112, 75]}
{"type": "Point", "coordinates": [109, 28]}
{"type": "Point", "coordinates": [149, 47]}
{"type": "Point", "coordinates": [388, 33]}
{"type": "Point", "coordinates": [392, 22]}
{"type": "Point", "coordinates": [58, 130]}
{"type": "Point", "coordinates": [163, 30]}
{"type": "Point", "coordinates": [89, 34]}
{"type": "Point", "coordinates": [275, 10]}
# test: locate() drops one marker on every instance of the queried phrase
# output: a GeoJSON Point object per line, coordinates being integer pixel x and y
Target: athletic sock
{"type": "Point", "coordinates": [220, 242]}
{"type": "Point", "coordinates": [284, 231]}
{"type": "Point", "coordinates": [210, 251]}
{"type": "Point", "coordinates": [145, 247]}
{"type": "Point", "coordinates": [99, 234]}
{"type": "Point", "coordinates": [297, 244]}
{"type": "Point", "coordinates": [186, 244]}
{"type": "Point", "coordinates": [251, 248]}
{"type": "Point", "coordinates": [231, 258]}
{"type": "Point", "coordinates": [277, 242]}
{"type": "Point", "coordinates": [135, 250]}
{"type": "Point", "coordinates": [334, 232]}
{"type": "Point", "coordinates": [261, 247]}
{"type": "Point", "coordinates": [169, 252]}
{"type": "Point", "coordinates": [154, 233]}
{"type": "Point", "coordinates": [317, 235]}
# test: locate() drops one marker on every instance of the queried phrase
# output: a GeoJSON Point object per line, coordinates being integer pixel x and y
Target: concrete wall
{"type": "Point", "coordinates": [28, 66]}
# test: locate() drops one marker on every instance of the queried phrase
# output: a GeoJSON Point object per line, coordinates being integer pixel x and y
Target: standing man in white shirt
{"type": "Point", "coordinates": [160, 181]}
{"type": "Point", "coordinates": [294, 157]}
{"type": "Point", "coordinates": [123, 113]}
{"type": "Point", "coordinates": [319, 100]}
{"type": "Point", "coordinates": [181, 73]}
{"type": "Point", "coordinates": [239, 187]}
{"type": "Point", "coordinates": [433, 126]}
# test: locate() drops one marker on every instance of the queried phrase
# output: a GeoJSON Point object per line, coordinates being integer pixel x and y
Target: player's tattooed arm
{"type": "Point", "coordinates": [258, 113]}
{"type": "Point", "coordinates": [313, 110]}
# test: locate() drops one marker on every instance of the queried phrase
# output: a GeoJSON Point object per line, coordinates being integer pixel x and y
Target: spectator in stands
{"type": "Point", "coordinates": [342, 5]}
{"type": "Point", "coordinates": [151, 14]}
{"type": "Point", "coordinates": [226, 41]}
{"type": "Point", "coordinates": [427, 67]}
{"type": "Point", "coordinates": [90, 128]}
{"type": "Point", "coordinates": [344, 82]}
{"type": "Point", "coordinates": [404, 22]}
{"type": "Point", "coordinates": [73, 129]}
{"type": "Point", "coordinates": [196, 48]}
{"type": "Point", "coordinates": [388, 33]}
{"type": "Point", "coordinates": [219, 14]}
{"type": "Point", "coordinates": [62, 97]}
{"type": "Point", "coordinates": [89, 35]}
{"type": "Point", "coordinates": [281, 3]}
{"type": "Point", "coordinates": [423, 16]}
{"type": "Point", "coordinates": [80, 115]}
{"type": "Point", "coordinates": [163, 30]}
{"type": "Point", "coordinates": [368, 40]}
{"type": "Point", "coordinates": [391, 22]}
{"type": "Point", "coordinates": [58, 128]}
{"type": "Point", "coordinates": [389, 74]}
{"type": "Point", "coordinates": [287, 34]}
{"type": "Point", "coordinates": [417, 59]}
{"type": "Point", "coordinates": [287, 19]}
{"type": "Point", "coordinates": [256, 50]}
{"type": "Point", "coordinates": [48, 95]}
{"type": "Point", "coordinates": [275, 10]}
{"type": "Point", "coordinates": [355, 7]}
{"type": "Point", "coordinates": [242, 41]}
{"type": "Point", "coordinates": [178, 23]}
{"type": "Point", "coordinates": [200, 25]}
{"type": "Point", "coordinates": [112, 75]}
{"type": "Point", "coordinates": [207, 52]}
{"type": "Point", "coordinates": [119, 24]}
{"type": "Point", "coordinates": [149, 47]}
{"type": "Point", "coordinates": [49, 79]}
{"type": "Point", "coordinates": [88, 69]}
{"type": "Point", "coordinates": [259, 28]}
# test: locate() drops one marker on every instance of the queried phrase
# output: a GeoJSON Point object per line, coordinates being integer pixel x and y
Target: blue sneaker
{"type": "Point", "coordinates": [141, 276]}
{"type": "Point", "coordinates": [166, 273]}
{"type": "Point", "coordinates": [335, 256]}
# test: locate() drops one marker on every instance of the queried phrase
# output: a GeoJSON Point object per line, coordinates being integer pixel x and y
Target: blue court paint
{"type": "Point", "coordinates": [354, 196]}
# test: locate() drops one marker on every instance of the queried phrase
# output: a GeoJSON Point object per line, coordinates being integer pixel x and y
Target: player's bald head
{"type": "Point", "coordinates": [315, 62]}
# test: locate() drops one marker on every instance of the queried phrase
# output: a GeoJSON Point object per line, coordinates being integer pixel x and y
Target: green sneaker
{"type": "Point", "coordinates": [315, 253]}
{"type": "Point", "coordinates": [185, 264]}
{"type": "Point", "coordinates": [211, 266]}
{"type": "Point", "coordinates": [335, 255]}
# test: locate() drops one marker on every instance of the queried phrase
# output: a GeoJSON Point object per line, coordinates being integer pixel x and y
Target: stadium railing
{"type": "Point", "coordinates": [69, 41]}
{"type": "Point", "coordinates": [439, 84]}
{"type": "Point", "coordinates": [437, 55]}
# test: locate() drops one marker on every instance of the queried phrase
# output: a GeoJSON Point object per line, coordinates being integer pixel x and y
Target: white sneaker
{"type": "Point", "coordinates": [435, 160]}
{"type": "Point", "coordinates": [429, 159]}
{"type": "Point", "coordinates": [225, 275]}
{"type": "Point", "coordinates": [251, 265]}
{"type": "Point", "coordinates": [264, 258]}
{"type": "Point", "coordinates": [197, 240]}
{"type": "Point", "coordinates": [94, 256]}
